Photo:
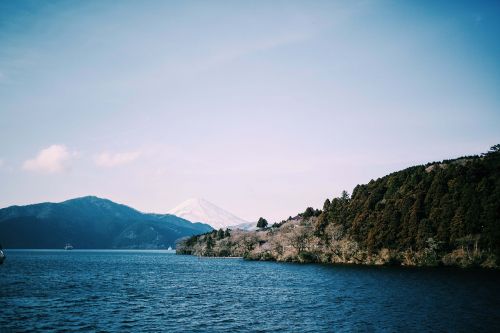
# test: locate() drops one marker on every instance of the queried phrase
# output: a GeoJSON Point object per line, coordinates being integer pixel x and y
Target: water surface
{"type": "Point", "coordinates": [159, 291]}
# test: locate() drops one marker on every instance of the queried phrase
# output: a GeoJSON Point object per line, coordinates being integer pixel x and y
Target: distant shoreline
{"type": "Point", "coordinates": [207, 257]}
{"type": "Point", "coordinates": [73, 250]}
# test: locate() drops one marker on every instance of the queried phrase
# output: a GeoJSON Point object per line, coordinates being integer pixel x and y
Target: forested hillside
{"type": "Point", "coordinates": [90, 223]}
{"type": "Point", "coordinates": [440, 213]}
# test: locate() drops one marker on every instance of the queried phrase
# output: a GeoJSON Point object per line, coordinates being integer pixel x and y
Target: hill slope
{"type": "Point", "coordinates": [440, 213]}
{"type": "Point", "coordinates": [90, 222]}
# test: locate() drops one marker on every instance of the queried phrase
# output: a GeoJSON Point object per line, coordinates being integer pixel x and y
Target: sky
{"type": "Point", "coordinates": [261, 107]}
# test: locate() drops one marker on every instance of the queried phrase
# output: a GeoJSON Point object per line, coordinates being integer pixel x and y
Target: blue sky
{"type": "Point", "coordinates": [261, 107]}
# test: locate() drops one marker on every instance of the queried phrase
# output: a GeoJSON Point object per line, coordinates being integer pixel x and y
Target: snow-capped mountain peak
{"type": "Point", "coordinates": [201, 210]}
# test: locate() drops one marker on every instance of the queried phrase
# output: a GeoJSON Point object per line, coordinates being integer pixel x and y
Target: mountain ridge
{"type": "Point", "coordinates": [91, 222]}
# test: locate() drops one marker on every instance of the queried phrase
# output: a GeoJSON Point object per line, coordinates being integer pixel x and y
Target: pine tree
{"type": "Point", "coordinates": [220, 234]}
{"type": "Point", "coordinates": [262, 223]}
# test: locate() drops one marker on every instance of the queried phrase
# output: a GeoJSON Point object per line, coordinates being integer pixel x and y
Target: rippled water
{"type": "Point", "coordinates": [157, 291]}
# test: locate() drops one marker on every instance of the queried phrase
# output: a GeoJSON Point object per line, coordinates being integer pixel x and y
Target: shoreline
{"type": "Point", "coordinates": [351, 264]}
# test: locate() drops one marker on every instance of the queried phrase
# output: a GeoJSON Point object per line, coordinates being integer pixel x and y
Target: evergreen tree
{"type": "Point", "coordinates": [220, 234]}
{"type": "Point", "coordinates": [326, 205]}
{"type": "Point", "coordinates": [262, 223]}
{"type": "Point", "coordinates": [309, 212]}
{"type": "Point", "coordinates": [210, 244]}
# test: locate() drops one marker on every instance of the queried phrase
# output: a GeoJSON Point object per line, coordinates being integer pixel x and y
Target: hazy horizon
{"type": "Point", "coordinates": [263, 108]}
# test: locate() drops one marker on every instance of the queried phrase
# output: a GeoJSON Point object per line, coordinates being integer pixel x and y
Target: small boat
{"type": "Point", "coordinates": [2, 257]}
{"type": "Point", "coordinates": [68, 247]}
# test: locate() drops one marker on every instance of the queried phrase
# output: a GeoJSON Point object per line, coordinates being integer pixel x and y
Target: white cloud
{"type": "Point", "coordinates": [108, 160]}
{"type": "Point", "coordinates": [53, 159]}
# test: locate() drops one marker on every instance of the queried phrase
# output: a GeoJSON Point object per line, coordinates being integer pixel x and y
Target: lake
{"type": "Point", "coordinates": [159, 291]}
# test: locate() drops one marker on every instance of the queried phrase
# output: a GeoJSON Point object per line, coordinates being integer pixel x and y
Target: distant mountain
{"type": "Point", "coordinates": [200, 210]}
{"type": "Point", "coordinates": [248, 226]}
{"type": "Point", "coordinates": [91, 222]}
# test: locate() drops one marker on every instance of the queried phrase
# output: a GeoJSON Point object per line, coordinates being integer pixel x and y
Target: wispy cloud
{"type": "Point", "coordinates": [110, 160]}
{"type": "Point", "coordinates": [224, 55]}
{"type": "Point", "coordinates": [241, 50]}
{"type": "Point", "coordinates": [53, 159]}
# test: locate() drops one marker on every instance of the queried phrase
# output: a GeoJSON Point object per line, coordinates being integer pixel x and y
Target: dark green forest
{"type": "Point", "coordinates": [455, 202]}
{"type": "Point", "coordinates": [440, 213]}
